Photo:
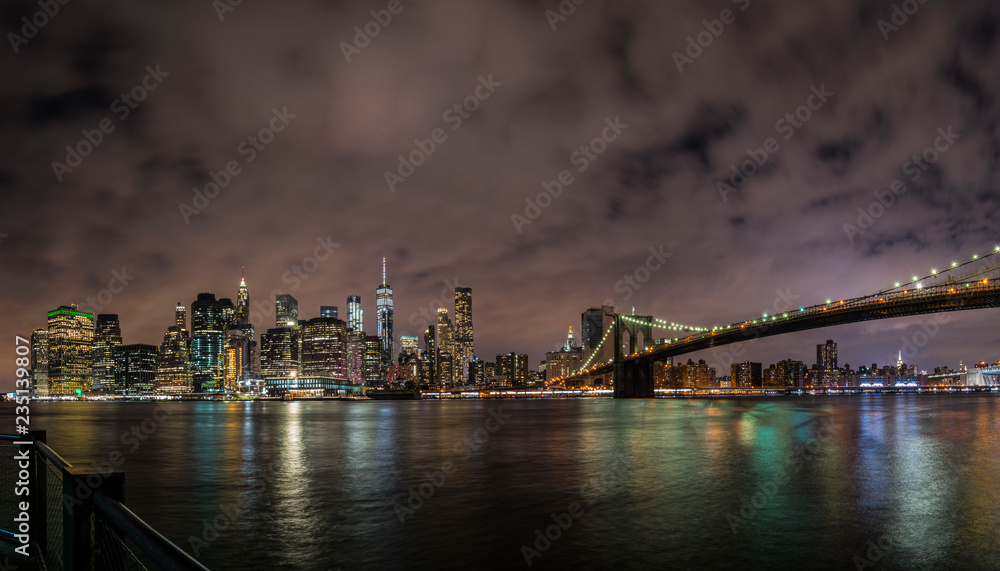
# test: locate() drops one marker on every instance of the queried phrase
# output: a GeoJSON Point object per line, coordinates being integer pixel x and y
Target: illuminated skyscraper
{"type": "Point", "coordinates": [826, 362]}
{"type": "Point", "coordinates": [243, 303]}
{"type": "Point", "coordinates": [173, 364]}
{"type": "Point", "coordinates": [408, 346]}
{"type": "Point", "coordinates": [355, 315]}
{"type": "Point", "coordinates": [180, 318]}
{"type": "Point", "coordinates": [40, 362]}
{"type": "Point", "coordinates": [286, 311]}
{"type": "Point", "coordinates": [228, 313]}
{"type": "Point", "coordinates": [356, 356]}
{"type": "Point", "coordinates": [372, 362]}
{"type": "Point", "coordinates": [444, 345]}
{"type": "Point", "coordinates": [464, 344]}
{"type": "Point", "coordinates": [135, 369]}
{"type": "Point", "coordinates": [330, 311]}
{"type": "Point", "coordinates": [324, 348]}
{"type": "Point", "coordinates": [107, 336]}
{"type": "Point", "coordinates": [383, 313]}
{"type": "Point", "coordinates": [278, 354]}
{"type": "Point", "coordinates": [208, 333]}
{"type": "Point", "coordinates": [237, 365]}
{"type": "Point", "coordinates": [71, 358]}
{"type": "Point", "coordinates": [592, 328]}
{"type": "Point", "coordinates": [514, 366]}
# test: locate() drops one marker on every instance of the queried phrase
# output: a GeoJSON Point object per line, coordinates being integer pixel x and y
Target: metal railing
{"type": "Point", "coordinates": [77, 520]}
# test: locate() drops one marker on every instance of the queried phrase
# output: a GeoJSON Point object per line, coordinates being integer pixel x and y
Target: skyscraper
{"type": "Point", "coordinates": [278, 355]}
{"type": "Point", "coordinates": [329, 311]}
{"type": "Point", "coordinates": [383, 313]}
{"type": "Point", "coordinates": [71, 358]}
{"type": "Point", "coordinates": [173, 364]}
{"type": "Point", "coordinates": [180, 318]}
{"type": "Point", "coordinates": [408, 346]}
{"type": "Point", "coordinates": [356, 356]}
{"type": "Point", "coordinates": [208, 332]}
{"type": "Point", "coordinates": [514, 366]}
{"type": "Point", "coordinates": [826, 362]}
{"type": "Point", "coordinates": [243, 303]}
{"type": "Point", "coordinates": [107, 336]}
{"type": "Point", "coordinates": [135, 369]}
{"type": "Point", "coordinates": [591, 328]}
{"type": "Point", "coordinates": [237, 360]}
{"type": "Point", "coordinates": [40, 362]}
{"type": "Point", "coordinates": [372, 361]}
{"type": "Point", "coordinates": [355, 315]}
{"type": "Point", "coordinates": [324, 348]}
{"type": "Point", "coordinates": [444, 345]}
{"type": "Point", "coordinates": [464, 344]}
{"type": "Point", "coordinates": [286, 311]}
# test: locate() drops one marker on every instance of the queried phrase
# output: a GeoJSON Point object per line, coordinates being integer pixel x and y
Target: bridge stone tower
{"type": "Point", "coordinates": [634, 378]}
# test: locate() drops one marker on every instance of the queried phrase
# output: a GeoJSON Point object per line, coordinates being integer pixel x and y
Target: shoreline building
{"type": "Point", "coordinates": [173, 364]}
{"type": "Point", "coordinates": [383, 315]}
{"type": "Point", "coordinates": [324, 348]}
{"type": "Point", "coordinates": [107, 337]}
{"type": "Point", "coordinates": [208, 331]}
{"type": "Point", "coordinates": [135, 369]}
{"type": "Point", "coordinates": [564, 362]}
{"type": "Point", "coordinates": [40, 362]}
{"type": "Point", "coordinates": [464, 339]}
{"type": "Point", "coordinates": [71, 358]}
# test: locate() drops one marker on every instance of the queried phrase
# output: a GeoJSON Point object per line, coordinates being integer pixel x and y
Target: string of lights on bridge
{"type": "Point", "coordinates": [917, 282]}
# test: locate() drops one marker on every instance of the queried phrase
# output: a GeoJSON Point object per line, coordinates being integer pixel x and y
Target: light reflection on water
{"type": "Point", "coordinates": [318, 485]}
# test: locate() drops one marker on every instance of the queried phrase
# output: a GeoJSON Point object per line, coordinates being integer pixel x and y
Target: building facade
{"type": "Point", "coordinates": [71, 346]}
{"type": "Point", "coordinates": [107, 337]}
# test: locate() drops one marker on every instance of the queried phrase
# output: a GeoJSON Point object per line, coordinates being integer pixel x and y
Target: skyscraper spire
{"type": "Point", "coordinates": [383, 270]}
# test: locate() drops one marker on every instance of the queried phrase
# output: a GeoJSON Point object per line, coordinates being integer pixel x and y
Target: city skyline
{"type": "Point", "coordinates": [472, 212]}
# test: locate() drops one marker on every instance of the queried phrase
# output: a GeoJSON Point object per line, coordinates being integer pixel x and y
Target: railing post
{"type": "Point", "coordinates": [38, 492]}
{"type": "Point", "coordinates": [79, 487]}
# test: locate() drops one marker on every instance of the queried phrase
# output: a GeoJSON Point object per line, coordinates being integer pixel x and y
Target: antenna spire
{"type": "Point", "coordinates": [383, 270]}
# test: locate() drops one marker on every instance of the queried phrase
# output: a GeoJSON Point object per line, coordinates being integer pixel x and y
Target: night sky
{"type": "Point", "coordinates": [542, 93]}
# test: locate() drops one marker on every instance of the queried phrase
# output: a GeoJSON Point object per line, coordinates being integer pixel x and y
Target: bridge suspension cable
{"type": "Point", "coordinates": [936, 275]}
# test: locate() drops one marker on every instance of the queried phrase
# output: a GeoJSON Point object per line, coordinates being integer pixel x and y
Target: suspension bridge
{"type": "Point", "coordinates": [629, 352]}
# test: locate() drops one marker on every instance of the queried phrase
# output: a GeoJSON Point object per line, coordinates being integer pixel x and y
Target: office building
{"type": "Point", "coordinates": [383, 314]}
{"type": "Point", "coordinates": [278, 353]}
{"type": "Point", "coordinates": [324, 348]}
{"type": "Point", "coordinates": [746, 375]}
{"type": "Point", "coordinates": [107, 336]}
{"type": "Point", "coordinates": [464, 339]}
{"type": "Point", "coordinates": [826, 362]}
{"type": "Point", "coordinates": [208, 337]}
{"type": "Point", "coordinates": [243, 303]}
{"type": "Point", "coordinates": [356, 356]}
{"type": "Point", "coordinates": [514, 367]}
{"type": "Point", "coordinates": [355, 315]}
{"type": "Point", "coordinates": [135, 369]}
{"type": "Point", "coordinates": [71, 345]}
{"type": "Point", "coordinates": [372, 362]}
{"type": "Point", "coordinates": [40, 362]}
{"type": "Point", "coordinates": [173, 363]}
{"type": "Point", "coordinates": [286, 311]}
{"type": "Point", "coordinates": [329, 311]}
{"type": "Point", "coordinates": [237, 367]}
{"type": "Point", "coordinates": [564, 362]}
{"type": "Point", "coordinates": [444, 346]}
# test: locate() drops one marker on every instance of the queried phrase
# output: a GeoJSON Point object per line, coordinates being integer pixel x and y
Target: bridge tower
{"type": "Point", "coordinates": [633, 378]}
